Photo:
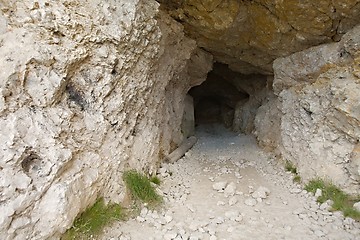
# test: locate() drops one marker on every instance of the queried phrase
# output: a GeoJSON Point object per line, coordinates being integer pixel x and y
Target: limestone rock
{"type": "Point", "coordinates": [261, 192]}
{"type": "Point", "coordinates": [230, 189]}
{"type": "Point", "coordinates": [85, 87]}
{"type": "Point", "coordinates": [357, 206]}
{"type": "Point", "coordinates": [317, 113]}
{"type": "Point", "coordinates": [318, 193]}
{"type": "Point", "coordinates": [219, 186]}
{"type": "Point", "coordinates": [250, 202]}
{"type": "Point", "coordinates": [250, 35]}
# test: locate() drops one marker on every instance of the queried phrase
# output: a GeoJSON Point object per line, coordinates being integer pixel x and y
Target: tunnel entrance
{"type": "Point", "coordinates": [229, 98]}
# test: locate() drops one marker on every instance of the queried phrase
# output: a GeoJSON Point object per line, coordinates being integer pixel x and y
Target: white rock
{"type": "Point", "coordinates": [325, 206]}
{"type": "Point", "coordinates": [287, 228]}
{"type": "Point", "coordinates": [319, 233]}
{"type": "Point", "coordinates": [220, 203]}
{"type": "Point", "coordinates": [295, 190]}
{"type": "Point", "coordinates": [191, 208]}
{"type": "Point", "coordinates": [212, 237]}
{"type": "Point", "coordinates": [357, 206]}
{"type": "Point", "coordinates": [154, 215]}
{"type": "Point", "coordinates": [211, 229]}
{"type": "Point", "coordinates": [230, 229]}
{"type": "Point", "coordinates": [318, 193]}
{"type": "Point", "coordinates": [231, 214]}
{"type": "Point", "coordinates": [230, 189]}
{"type": "Point", "coordinates": [143, 212]}
{"type": "Point", "coordinates": [250, 202]}
{"type": "Point", "coordinates": [168, 218]}
{"type": "Point", "coordinates": [140, 219]}
{"type": "Point", "coordinates": [170, 235]}
{"type": "Point", "coordinates": [219, 186]}
{"type": "Point", "coordinates": [233, 200]}
{"type": "Point", "coordinates": [239, 218]}
{"type": "Point", "coordinates": [261, 192]}
{"type": "Point", "coordinates": [194, 226]}
{"type": "Point", "coordinates": [298, 211]}
{"type": "Point", "coordinates": [219, 220]}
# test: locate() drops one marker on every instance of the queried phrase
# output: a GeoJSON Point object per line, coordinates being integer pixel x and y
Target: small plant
{"type": "Point", "coordinates": [91, 222]}
{"type": "Point", "coordinates": [297, 178]}
{"type": "Point", "coordinates": [290, 167]}
{"type": "Point", "coordinates": [155, 179]}
{"type": "Point", "coordinates": [140, 188]}
{"type": "Point", "coordinates": [341, 201]}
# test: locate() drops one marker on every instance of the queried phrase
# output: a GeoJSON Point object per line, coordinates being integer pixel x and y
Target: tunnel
{"type": "Point", "coordinates": [228, 98]}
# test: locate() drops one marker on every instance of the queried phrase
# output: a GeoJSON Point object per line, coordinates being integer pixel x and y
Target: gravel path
{"type": "Point", "coordinates": [226, 187]}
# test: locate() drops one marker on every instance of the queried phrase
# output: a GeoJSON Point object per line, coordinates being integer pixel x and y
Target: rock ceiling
{"type": "Point", "coordinates": [249, 35]}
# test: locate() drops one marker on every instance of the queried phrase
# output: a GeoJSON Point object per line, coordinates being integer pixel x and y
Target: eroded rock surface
{"type": "Point", "coordinates": [249, 35]}
{"type": "Point", "coordinates": [87, 88]}
{"type": "Point", "coordinates": [317, 111]}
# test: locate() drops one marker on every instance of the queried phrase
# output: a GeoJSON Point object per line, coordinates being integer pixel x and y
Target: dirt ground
{"type": "Point", "coordinates": [226, 187]}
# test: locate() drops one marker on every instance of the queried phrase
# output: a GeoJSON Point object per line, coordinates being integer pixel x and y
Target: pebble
{"type": "Point", "coordinates": [319, 233]}
{"type": "Point", "coordinates": [219, 186]}
{"type": "Point", "coordinates": [230, 229]}
{"type": "Point", "coordinates": [232, 214]}
{"type": "Point", "coordinates": [168, 218]}
{"type": "Point", "coordinates": [261, 192]}
{"type": "Point", "coordinates": [140, 219]}
{"type": "Point", "coordinates": [230, 189]}
{"type": "Point", "coordinates": [325, 206]}
{"type": "Point", "coordinates": [233, 200]}
{"type": "Point", "coordinates": [170, 235]}
{"type": "Point", "coordinates": [191, 208]}
{"type": "Point", "coordinates": [357, 206]}
{"type": "Point", "coordinates": [295, 190]}
{"type": "Point", "coordinates": [250, 202]}
{"type": "Point", "coordinates": [298, 211]}
{"type": "Point", "coordinates": [318, 193]}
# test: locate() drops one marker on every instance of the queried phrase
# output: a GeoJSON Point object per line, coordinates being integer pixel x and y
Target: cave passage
{"type": "Point", "coordinates": [227, 97]}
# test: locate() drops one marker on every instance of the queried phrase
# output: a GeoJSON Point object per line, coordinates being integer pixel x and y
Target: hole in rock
{"type": "Point", "coordinates": [229, 98]}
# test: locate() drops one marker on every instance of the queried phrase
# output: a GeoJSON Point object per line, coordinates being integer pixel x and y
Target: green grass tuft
{"type": "Point", "coordinates": [140, 188]}
{"type": "Point", "coordinates": [155, 180]}
{"type": "Point", "coordinates": [341, 201]}
{"type": "Point", "coordinates": [289, 166]}
{"type": "Point", "coordinates": [297, 179]}
{"type": "Point", "coordinates": [91, 222]}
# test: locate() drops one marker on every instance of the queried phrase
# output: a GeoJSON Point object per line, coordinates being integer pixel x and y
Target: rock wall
{"type": "Point", "coordinates": [316, 111]}
{"type": "Point", "coordinates": [86, 91]}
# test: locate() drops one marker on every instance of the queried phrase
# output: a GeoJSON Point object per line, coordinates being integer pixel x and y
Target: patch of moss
{"type": "Point", "coordinates": [341, 201]}
{"type": "Point", "coordinates": [91, 222]}
{"type": "Point", "coordinates": [140, 188]}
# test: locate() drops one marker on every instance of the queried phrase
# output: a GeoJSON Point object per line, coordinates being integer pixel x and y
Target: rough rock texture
{"type": "Point", "coordinates": [85, 87]}
{"type": "Point", "coordinates": [249, 35]}
{"type": "Point", "coordinates": [317, 111]}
